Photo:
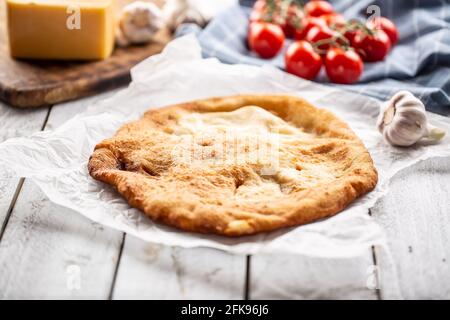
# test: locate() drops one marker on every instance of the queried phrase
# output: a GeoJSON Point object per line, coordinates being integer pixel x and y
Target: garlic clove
{"type": "Point", "coordinates": [177, 12]}
{"type": "Point", "coordinates": [121, 40]}
{"type": "Point", "coordinates": [389, 114]}
{"type": "Point", "coordinates": [435, 133]}
{"type": "Point", "coordinates": [403, 121]}
{"type": "Point", "coordinates": [139, 23]}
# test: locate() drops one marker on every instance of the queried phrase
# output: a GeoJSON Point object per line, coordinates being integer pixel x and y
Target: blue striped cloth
{"type": "Point", "coordinates": [420, 62]}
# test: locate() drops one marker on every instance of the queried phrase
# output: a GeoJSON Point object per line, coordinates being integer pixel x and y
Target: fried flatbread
{"type": "Point", "coordinates": [236, 165]}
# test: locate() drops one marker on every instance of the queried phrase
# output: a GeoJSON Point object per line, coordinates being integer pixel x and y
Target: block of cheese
{"type": "Point", "coordinates": [61, 29]}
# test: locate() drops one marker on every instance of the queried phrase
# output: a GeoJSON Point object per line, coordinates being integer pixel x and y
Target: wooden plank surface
{"type": "Point", "coordinates": [15, 123]}
{"type": "Point", "coordinates": [416, 216]}
{"type": "Point", "coordinates": [27, 83]}
{"type": "Point", "coordinates": [298, 277]}
{"type": "Point", "coordinates": [50, 252]}
{"type": "Point", "coordinates": [149, 271]}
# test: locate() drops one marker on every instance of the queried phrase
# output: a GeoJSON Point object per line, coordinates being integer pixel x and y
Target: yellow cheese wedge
{"type": "Point", "coordinates": [61, 29]}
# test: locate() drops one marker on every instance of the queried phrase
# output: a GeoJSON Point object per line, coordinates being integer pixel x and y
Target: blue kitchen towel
{"type": "Point", "coordinates": [420, 62]}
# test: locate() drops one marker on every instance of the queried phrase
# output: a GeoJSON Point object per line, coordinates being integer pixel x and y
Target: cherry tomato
{"type": "Point", "coordinates": [318, 8]}
{"type": "Point", "coordinates": [350, 36]}
{"type": "Point", "coordinates": [316, 34]}
{"type": "Point", "coordinates": [290, 23]}
{"type": "Point", "coordinates": [287, 21]}
{"type": "Point", "coordinates": [307, 24]}
{"type": "Point", "coordinates": [333, 19]}
{"type": "Point", "coordinates": [342, 66]}
{"type": "Point", "coordinates": [266, 39]}
{"type": "Point", "coordinates": [382, 23]}
{"type": "Point", "coordinates": [372, 47]}
{"type": "Point", "coordinates": [301, 60]}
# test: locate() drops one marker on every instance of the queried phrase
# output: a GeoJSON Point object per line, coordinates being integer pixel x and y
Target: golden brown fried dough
{"type": "Point", "coordinates": [236, 165]}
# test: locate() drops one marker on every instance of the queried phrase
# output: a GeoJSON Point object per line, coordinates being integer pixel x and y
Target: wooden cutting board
{"type": "Point", "coordinates": [25, 83]}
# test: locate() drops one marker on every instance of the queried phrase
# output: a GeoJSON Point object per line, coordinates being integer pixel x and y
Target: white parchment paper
{"type": "Point", "coordinates": [57, 160]}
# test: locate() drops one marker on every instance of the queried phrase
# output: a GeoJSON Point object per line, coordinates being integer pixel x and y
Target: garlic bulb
{"type": "Point", "coordinates": [138, 23]}
{"type": "Point", "coordinates": [177, 12]}
{"type": "Point", "coordinates": [403, 121]}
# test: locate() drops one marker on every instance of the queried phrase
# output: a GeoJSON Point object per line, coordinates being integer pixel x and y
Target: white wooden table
{"type": "Point", "coordinates": [47, 251]}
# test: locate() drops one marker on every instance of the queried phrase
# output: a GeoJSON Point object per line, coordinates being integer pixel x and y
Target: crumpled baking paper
{"type": "Point", "coordinates": [57, 160]}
